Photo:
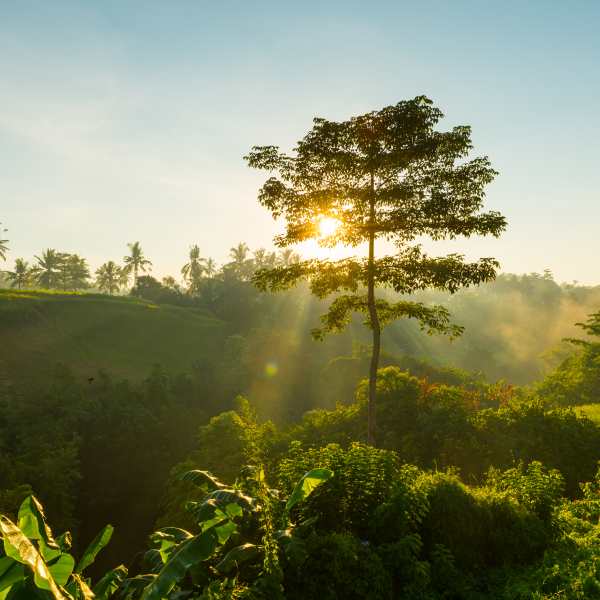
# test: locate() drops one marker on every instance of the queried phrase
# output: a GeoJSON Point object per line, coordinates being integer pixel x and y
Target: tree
{"type": "Point", "coordinates": [242, 265]}
{"type": "Point", "coordinates": [388, 174]}
{"type": "Point", "coordinates": [3, 247]}
{"type": "Point", "coordinates": [135, 261]}
{"type": "Point", "coordinates": [20, 276]}
{"type": "Point", "coordinates": [79, 273]}
{"type": "Point", "coordinates": [287, 257]}
{"type": "Point", "coordinates": [110, 277]}
{"type": "Point", "coordinates": [46, 271]}
{"type": "Point", "coordinates": [193, 270]}
{"type": "Point", "coordinates": [210, 268]}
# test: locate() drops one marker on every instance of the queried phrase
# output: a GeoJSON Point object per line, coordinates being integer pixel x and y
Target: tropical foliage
{"type": "Point", "coordinates": [35, 565]}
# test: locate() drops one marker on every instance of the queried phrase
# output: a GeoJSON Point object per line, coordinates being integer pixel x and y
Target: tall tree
{"type": "Point", "coordinates": [192, 271]}
{"type": "Point", "coordinates": [135, 261]}
{"type": "Point", "coordinates": [3, 247]}
{"type": "Point", "coordinates": [241, 263]}
{"type": "Point", "coordinates": [388, 174]}
{"type": "Point", "coordinates": [210, 268]}
{"type": "Point", "coordinates": [110, 277]}
{"type": "Point", "coordinates": [287, 257]}
{"type": "Point", "coordinates": [79, 273]}
{"type": "Point", "coordinates": [20, 276]}
{"type": "Point", "coordinates": [46, 271]}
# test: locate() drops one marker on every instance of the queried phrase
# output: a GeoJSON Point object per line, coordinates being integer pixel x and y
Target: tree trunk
{"type": "Point", "coordinates": [372, 410]}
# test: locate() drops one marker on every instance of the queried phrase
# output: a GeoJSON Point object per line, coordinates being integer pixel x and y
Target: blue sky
{"type": "Point", "coordinates": [127, 121]}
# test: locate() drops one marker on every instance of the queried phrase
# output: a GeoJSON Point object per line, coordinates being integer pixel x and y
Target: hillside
{"type": "Point", "coordinates": [123, 334]}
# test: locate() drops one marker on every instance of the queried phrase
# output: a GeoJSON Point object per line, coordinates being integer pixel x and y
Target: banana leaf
{"type": "Point", "coordinates": [90, 554]}
{"type": "Point", "coordinates": [185, 555]}
{"type": "Point", "coordinates": [133, 588]}
{"type": "Point", "coordinates": [61, 568]}
{"type": "Point", "coordinates": [203, 480]}
{"type": "Point", "coordinates": [32, 523]}
{"type": "Point", "coordinates": [307, 484]}
{"type": "Point", "coordinates": [293, 546]}
{"type": "Point", "coordinates": [64, 541]}
{"type": "Point", "coordinates": [11, 571]}
{"type": "Point", "coordinates": [237, 556]}
{"type": "Point", "coordinates": [18, 547]}
{"type": "Point", "coordinates": [109, 584]}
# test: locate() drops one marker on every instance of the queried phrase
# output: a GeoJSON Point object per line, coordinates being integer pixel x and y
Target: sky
{"type": "Point", "coordinates": [128, 121]}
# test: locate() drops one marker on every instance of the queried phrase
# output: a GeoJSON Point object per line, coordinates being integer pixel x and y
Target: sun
{"type": "Point", "coordinates": [328, 226]}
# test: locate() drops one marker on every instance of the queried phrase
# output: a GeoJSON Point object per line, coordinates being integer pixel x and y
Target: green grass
{"type": "Point", "coordinates": [592, 411]}
{"type": "Point", "coordinates": [126, 335]}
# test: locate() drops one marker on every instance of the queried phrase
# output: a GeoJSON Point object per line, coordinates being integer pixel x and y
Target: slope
{"type": "Point", "coordinates": [126, 335]}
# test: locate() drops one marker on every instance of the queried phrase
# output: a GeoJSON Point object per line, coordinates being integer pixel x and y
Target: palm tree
{"type": "Point", "coordinates": [135, 261]}
{"type": "Point", "coordinates": [270, 261]}
{"type": "Point", "coordinates": [110, 277]}
{"type": "Point", "coordinates": [192, 272]}
{"type": "Point", "coordinates": [20, 276]}
{"type": "Point", "coordinates": [3, 248]}
{"type": "Point", "coordinates": [79, 273]}
{"type": "Point", "coordinates": [241, 264]}
{"type": "Point", "coordinates": [210, 267]}
{"type": "Point", "coordinates": [287, 257]}
{"type": "Point", "coordinates": [239, 254]}
{"type": "Point", "coordinates": [46, 271]}
{"type": "Point", "coordinates": [259, 258]}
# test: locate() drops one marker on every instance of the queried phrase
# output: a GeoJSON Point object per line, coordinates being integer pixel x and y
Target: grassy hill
{"type": "Point", "coordinates": [126, 335]}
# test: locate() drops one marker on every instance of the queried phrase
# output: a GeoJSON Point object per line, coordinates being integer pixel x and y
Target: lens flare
{"type": "Point", "coordinates": [328, 226]}
{"type": "Point", "coordinates": [271, 368]}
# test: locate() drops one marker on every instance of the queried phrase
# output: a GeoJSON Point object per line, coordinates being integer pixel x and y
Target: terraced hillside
{"type": "Point", "coordinates": [126, 335]}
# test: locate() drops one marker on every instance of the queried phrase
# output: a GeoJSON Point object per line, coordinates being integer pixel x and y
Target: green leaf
{"type": "Point", "coordinates": [168, 538]}
{"type": "Point", "coordinates": [237, 556]}
{"type": "Point", "coordinates": [61, 568]}
{"type": "Point", "coordinates": [18, 546]}
{"type": "Point", "coordinates": [135, 586]}
{"type": "Point", "coordinates": [32, 523]}
{"type": "Point", "coordinates": [65, 541]}
{"type": "Point", "coordinates": [185, 555]}
{"type": "Point", "coordinates": [11, 571]}
{"type": "Point", "coordinates": [203, 480]}
{"type": "Point", "coordinates": [109, 584]}
{"type": "Point", "coordinates": [307, 484]}
{"type": "Point", "coordinates": [221, 500]}
{"type": "Point", "coordinates": [292, 544]}
{"type": "Point", "coordinates": [99, 542]}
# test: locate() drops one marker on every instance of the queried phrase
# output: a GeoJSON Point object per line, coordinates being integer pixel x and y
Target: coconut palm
{"type": "Point", "coordinates": [239, 254]}
{"type": "Point", "coordinates": [3, 248]}
{"type": "Point", "coordinates": [210, 267]}
{"type": "Point", "coordinates": [45, 272]}
{"type": "Point", "coordinates": [135, 261]}
{"type": "Point", "coordinates": [270, 261]}
{"type": "Point", "coordinates": [20, 276]}
{"type": "Point", "coordinates": [110, 277]}
{"type": "Point", "coordinates": [79, 273]}
{"type": "Point", "coordinates": [259, 258]}
{"type": "Point", "coordinates": [287, 257]}
{"type": "Point", "coordinates": [193, 270]}
{"type": "Point", "coordinates": [242, 265]}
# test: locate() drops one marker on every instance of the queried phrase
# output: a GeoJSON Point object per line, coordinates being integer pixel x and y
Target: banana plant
{"type": "Point", "coordinates": [33, 565]}
{"type": "Point", "coordinates": [221, 503]}
{"type": "Point", "coordinates": [218, 514]}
